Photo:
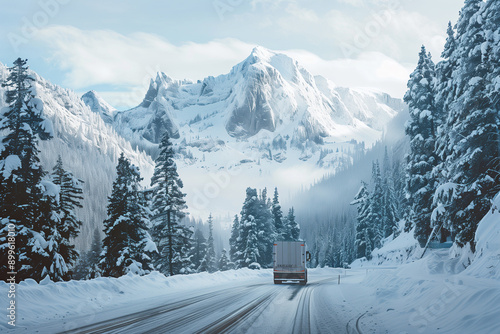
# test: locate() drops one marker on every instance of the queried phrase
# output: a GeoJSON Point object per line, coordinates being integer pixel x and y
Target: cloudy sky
{"type": "Point", "coordinates": [115, 47]}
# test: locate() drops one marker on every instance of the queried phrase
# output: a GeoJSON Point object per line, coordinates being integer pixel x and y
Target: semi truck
{"type": "Point", "coordinates": [289, 262]}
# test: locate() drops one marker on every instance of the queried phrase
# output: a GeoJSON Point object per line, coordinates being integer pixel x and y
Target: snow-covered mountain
{"type": "Point", "coordinates": [266, 93]}
{"type": "Point", "coordinates": [88, 146]}
{"type": "Point", "coordinates": [269, 118]}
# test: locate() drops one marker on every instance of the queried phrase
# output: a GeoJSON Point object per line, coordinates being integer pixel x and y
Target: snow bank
{"type": "Point", "coordinates": [426, 297]}
{"type": "Point", "coordinates": [486, 262]}
{"type": "Point", "coordinates": [443, 292]}
{"type": "Point", "coordinates": [402, 249]}
{"type": "Point", "coordinates": [46, 301]}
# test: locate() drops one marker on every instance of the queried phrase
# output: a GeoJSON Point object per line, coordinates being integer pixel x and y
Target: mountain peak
{"type": "Point", "coordinates": [260, 52]}
{"type": "Point", "coordinates": [162, 78]}
{"type": "Point", "coordinates": [98, 105]}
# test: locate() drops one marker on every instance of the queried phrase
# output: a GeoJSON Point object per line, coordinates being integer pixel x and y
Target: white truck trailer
{"type": "Point", "coordinates": [290, 262]}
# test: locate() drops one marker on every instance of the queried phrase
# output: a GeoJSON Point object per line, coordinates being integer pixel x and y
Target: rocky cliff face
{"type": "Point", "coordinates": [267, 92]}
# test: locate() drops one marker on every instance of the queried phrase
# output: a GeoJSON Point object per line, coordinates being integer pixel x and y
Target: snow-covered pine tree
{"type": "Point", "coordinates": [331, 248]}
{"type": "Point", "coordinates": [87, 266]}
{"type": "Point", "coordinates": [93, 256]}
{"type": "Point", "coordinates": [223, 263]}
{"type": "Point", "coordinates": [70, 195]}
{"type": "Point", "coordinates": [55, 266]}
{"type": "Point", "coordinates": [292, 229]}
{"type": "Point", "coordinates": [277, 216]}
{"type": "Point", "coordinates": [491, 17]}
{"type": "Point", "coordinates": [25, 200]}
{"type": "Point", "coordinates": [399, 178]}
{"type": "Point", "coordinates": [369, 247]}
{"type": "Point", "coordinates": [199, 248]}
{"type": "Point", "coordinates": [472, 124]}
{"type": "Point", "coordinates": [251, 251]}
{"type": "Point", "coordinates": [421, 129]}
{"type": "Point", "coordinates": [389, 211]}
{"type": "Point", "coordinates": [183, 260]}
{"type": "Point", "coordinates": [446, 94]}
{"type": "Point", "coordinates": [375, 215]}
{"type": "Point", "coordinates": [168, 207]}
{"type": "Point", "coordinates": [313, 248]}
{"type": "Point", "coordinates": [347, 245]}
{"type": "Point", "coordinates": [363, 238]}
{"type": "Point", "coordinates": [266, 234]}
{"type": "Point", "coordinates": [235, 244]}
{"type": "Point", "coordinates": [209, 262]}
{"type": "Point", "coordinates": [127, 246]}
{"type": "Point", "coordinates": [248, 229]}
{"type": "Point", "coordinates": [444, 71]}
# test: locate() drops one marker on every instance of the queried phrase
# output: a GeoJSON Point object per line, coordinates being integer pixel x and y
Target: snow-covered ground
{"type": "Point", "coordinates": [447, 291]}
{"type": "Point", "coordinates": [246, 299]}
{"type": "Point", "coordinates": [403, 294]}
{"type": "Point", "coordinates": [416, 298]}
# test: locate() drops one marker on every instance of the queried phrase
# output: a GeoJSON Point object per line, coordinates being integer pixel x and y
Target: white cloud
{"type": "Point", "coordinates": [126, 63]}
{"type": "Point", "coordinates": [107, 57]}
{"type": "Point", "coordinates": [369, 70]}
{"type": "Point", "coordinates": [387, 26]}
{"type": "Point", "coordinates": [355, 3]}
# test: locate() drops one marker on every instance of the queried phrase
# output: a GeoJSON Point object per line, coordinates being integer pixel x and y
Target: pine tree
{"type": "Point", "coordinates": [199, 248]}
{"type": "Point", "coordinates": [369, 248]}
{"type": "Point", "coordinates": [277, 216]}
{"type": "Point", "coordinates": [223, 263]}
{"type": "Point", "coordinates": [347, 244]}
{"type": "Point", "coordinates": [25, 200]}
{"type": "Point", "coordinates": [127, 246]}
{"type": "Point", "coordinates": [87, 266]}
{"type": "Point", "coordinates": [68, 227]}
{"type": "Point", "coordinates": [292, 230]}
{"type": "Point", "coordinates": [389, 211]}
{"type": "Point", "coordinates": [209, 261]}
{"type": "Point", "coordinates": [266, 234]}
{"type": "Point", "coordinates": [251, 251]}
{"type": "Point", "coordinates": [93, 256]}
{"type": "Point", "coordinates": [364, 236]}
{"type": "Point", "coordinates": [248, 229]}
{"type": "Point", "coordinates": [236, 249]}
{"type": "Point", "coordinates": [421, 160]}
{"type": "Point", "coordinates": [55, 266]}
{"type": "Point", "coordinates": [444, 72]}
{"type": "Point", "coordinates": [398, 176]}
{"type": "Point", "coordinates": [375, 215]}
{"type": "Point", "coordinates": [183, 259]}
{"type": "Point", "coordinates": [491, 17]}
{"type": "Point", "coordinates": [168, 207]}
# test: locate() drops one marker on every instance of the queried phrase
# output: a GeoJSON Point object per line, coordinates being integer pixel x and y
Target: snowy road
{"type": "Point", "coordinates": [253, 305]}
{"type": "Point", "coordinates": [420, 297]}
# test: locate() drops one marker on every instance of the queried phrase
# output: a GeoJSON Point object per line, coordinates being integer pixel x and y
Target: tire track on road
{"type": "Point", "coordinates": [355, 329]}
{"type": "Point", "coordinates": [107, 326]}
{"type": "Point", "coordinates": [229, 322]}
{"type": "Point", "coordinates": [302, 322]}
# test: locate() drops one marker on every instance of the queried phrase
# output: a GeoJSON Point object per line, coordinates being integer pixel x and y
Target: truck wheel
{"type": "Point", "coordinates": [277, 282]}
